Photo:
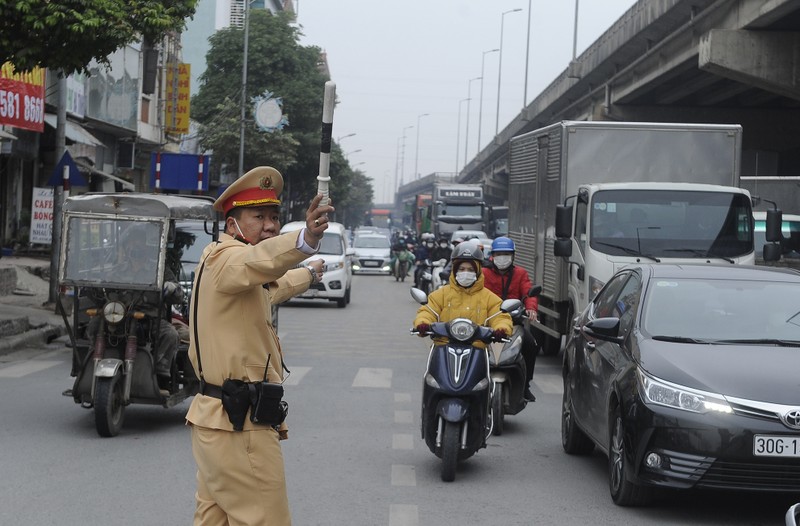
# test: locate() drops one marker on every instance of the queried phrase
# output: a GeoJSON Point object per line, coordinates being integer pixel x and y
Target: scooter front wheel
{"type": "Point", "coordinates": [109, 409]}
{"type": "Point", "coordinates": [450, 447]}
{"type": "Point", "coordinates": [497, 410]}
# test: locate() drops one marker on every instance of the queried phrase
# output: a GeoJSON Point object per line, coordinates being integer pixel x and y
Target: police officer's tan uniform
{"type": "Point", "coordinates": [240, 477]}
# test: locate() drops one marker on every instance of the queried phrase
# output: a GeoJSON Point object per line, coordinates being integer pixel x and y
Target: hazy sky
{"type": "Point", "coordinates": [393, 61]}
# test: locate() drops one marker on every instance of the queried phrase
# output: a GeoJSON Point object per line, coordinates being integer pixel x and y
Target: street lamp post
{"type": "Point", "coordinates": [403, 155]}
{"type": "Point", "coordinates": [458, 131]}
{"type": "Point", "coordinates": [466, 134]}
{"type": "Point", "coordinates": [500, 66]}
{"type": "Point", "coordinates": [244, 86]}
{"type": "Point", "coordinates": [480, 105]}
{"type": "Point", "coordinates": [527, 59]}
{"type": "Point", "coordinates": [354, 151]}
{"type": "Point", "coordinates": [339, 139]}
{"type": "Point", "coordinates": [416, 153]}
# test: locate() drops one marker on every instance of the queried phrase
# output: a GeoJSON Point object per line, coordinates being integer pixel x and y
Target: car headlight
{"type": "Point", "coordinates": [328, 267]}
{"type": "Point", "coordinates": [114, 312]}
{"type": "Point", "coordinates": [677, 396]}
{"type": "Point", "coordinates": [462, 330]}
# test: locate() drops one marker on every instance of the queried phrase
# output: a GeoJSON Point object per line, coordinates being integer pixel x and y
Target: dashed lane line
{"type": "Point", "coordinates": [18, 370]}
{"type": "Point", "coordinates": [297, 375]}
{"type": "Point", "coordinates": [402, 441]}
{"type": "Point", "coordinates": [403, 475]}
{"type": "Point", "coordinates": [373, 377]}
{"type": "Point", "coordinates": [403, 515]}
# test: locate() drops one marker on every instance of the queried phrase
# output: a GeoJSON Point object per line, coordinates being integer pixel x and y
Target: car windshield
{"type": "Point", "coordinates": [371, 242]}
{"type": "Point", "coordinates": [331, 244]}
{"type": "Point", "coordinates": [722, 309]}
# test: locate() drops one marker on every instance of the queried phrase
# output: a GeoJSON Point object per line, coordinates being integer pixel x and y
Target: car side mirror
{"type": "Point", "coordinates": [606, 329]}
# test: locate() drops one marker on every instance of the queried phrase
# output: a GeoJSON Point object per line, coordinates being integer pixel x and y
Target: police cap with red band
{"type": "Point", "coordinates": [260, 186]}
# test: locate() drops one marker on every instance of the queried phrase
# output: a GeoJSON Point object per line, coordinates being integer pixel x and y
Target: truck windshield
{"type": "Point", "coordinates": [457, 210]}
{"type": "Point", "coordinates": [671, 224]}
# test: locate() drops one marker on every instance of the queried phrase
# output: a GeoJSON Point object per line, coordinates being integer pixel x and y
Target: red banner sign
{"type": "Point", "coordinates": [22, 97]}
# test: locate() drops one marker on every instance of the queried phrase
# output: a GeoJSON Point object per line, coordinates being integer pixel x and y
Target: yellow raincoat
{"type": "Point", "coordinates": [475, 303]}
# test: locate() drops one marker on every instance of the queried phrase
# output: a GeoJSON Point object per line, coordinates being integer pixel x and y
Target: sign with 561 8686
{"type": "Point", "coordinates": [22, 97]}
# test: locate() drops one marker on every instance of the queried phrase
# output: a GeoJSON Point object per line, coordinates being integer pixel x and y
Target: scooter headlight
{"type": "Point", "coordinates": [114, 312]}
{"type": "Point", "coordinates": [431, 381]}
{"type": "Point", "coordinates": [462, 330]}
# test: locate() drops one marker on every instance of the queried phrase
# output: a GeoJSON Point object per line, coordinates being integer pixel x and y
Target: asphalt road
{"type": "Point", "coordinates": [354, 457]}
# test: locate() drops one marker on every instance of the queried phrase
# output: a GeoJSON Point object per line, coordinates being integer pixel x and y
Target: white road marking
{"type": "Point", "coordinates": [297, 375]}
{"type": "Point", "coordinates": [549, 383]}
{"type": "Point", "coordinates": [402, 397]}
{"type": "Point", "coordinates": [403, 475]}
{"type": "Point", "coordinates": [373, 377]}
{"type": "Point", "coordinates": [403, 417]}
{"type": "Point", "coordinates": [403, 515]}
{"type": "Point", "coordinates": [18, 370]}
{"type": "Point", "coordinates": [402, 441]}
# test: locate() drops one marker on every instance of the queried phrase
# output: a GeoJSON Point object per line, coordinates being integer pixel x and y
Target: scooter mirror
{"type": "Point", "coordinates": [510, 305]}
{"type": "Point", "coordinates": [535, 291]}
{"type": "Point", "coordinates": [419, 296]}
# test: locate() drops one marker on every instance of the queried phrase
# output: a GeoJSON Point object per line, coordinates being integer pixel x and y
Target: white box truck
{"type": "Point", "coordinates": [588, 198]}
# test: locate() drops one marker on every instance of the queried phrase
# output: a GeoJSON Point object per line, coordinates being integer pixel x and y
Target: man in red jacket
{"type": "Point", "coordinates": [511, 282]}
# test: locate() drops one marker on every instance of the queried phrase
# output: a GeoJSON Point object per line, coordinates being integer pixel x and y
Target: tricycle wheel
{"type": "Point", "coordinates": [109, 410]}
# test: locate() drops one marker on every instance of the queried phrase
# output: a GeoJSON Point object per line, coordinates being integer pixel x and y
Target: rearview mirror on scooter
{"type": "Point", "coordinates": [535, 291]}
{"type": "Point", "coordinates": [419, 296]}
{"type": "Point", "coordinates": [510, 305]}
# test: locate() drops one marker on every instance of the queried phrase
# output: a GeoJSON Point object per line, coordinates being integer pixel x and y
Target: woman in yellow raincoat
{"type": "Point", "coordinates": [465, 297]}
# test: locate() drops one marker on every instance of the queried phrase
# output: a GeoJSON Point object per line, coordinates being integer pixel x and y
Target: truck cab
{"type": "Point", "coordinates": [608, 226]}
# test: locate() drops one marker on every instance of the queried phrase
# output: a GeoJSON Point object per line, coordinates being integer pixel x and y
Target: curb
{"type": "Point", "coordinates": [38, 336]}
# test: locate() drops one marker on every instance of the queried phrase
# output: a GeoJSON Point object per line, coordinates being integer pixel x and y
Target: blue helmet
{"type": "Point", "coordinates": [503, 244]}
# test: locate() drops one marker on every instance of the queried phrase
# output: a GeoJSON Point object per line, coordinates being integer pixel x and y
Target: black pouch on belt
{"type": "Point", "coordinates": [267, 408]}
{"type": "Point", "coordinates": [236, 401]}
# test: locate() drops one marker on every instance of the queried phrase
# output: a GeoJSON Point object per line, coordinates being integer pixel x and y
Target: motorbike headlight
{"type": "Point", "coordinates": [114, 312]}
{"type": "Point", "coordinates": [431, 381]}
{"type": "Point", "coordinates": [462, 330]}
{"type": "Point", "coordinates": [679, 397]}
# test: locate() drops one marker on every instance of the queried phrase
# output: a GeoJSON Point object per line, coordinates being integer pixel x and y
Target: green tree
{"type": "Point", "coordinates": [66, 35]}
{"type": "Point", "coordinates": [279, 64]}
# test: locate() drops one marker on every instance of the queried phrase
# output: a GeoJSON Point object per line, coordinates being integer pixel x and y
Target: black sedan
{"type": "Point", "coordinates": [687, 376]}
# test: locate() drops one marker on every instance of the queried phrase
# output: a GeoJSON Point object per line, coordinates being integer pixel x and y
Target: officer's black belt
{"type": "Point", "coordinates": [212, 390]}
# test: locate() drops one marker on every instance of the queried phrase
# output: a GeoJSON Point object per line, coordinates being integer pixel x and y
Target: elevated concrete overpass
{"type": "Point", "coordinates": [712, 61]}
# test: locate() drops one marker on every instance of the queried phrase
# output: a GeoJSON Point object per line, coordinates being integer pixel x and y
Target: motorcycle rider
{"type": "Point", "coordinates": [464, 297]}
{"type": "Point", "coordinates": [512, 282]}
{"type": "Point", "coordinates": [421, 253]}
{"type": "Point", "coordinates": [441, 250]}
{"type": "Point", "coordinates": [400, 252]}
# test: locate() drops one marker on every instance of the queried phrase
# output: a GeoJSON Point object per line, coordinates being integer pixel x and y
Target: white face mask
{"type": "Point", "coordinates": [466, 279]}
{"type": "Point", "coordinates": [443, 245]}
{"type": "Point", "coordinates": [502, 262]}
